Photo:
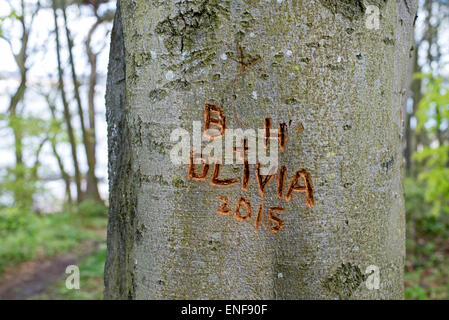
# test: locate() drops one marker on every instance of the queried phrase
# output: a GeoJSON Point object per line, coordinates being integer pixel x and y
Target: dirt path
{"type": "Point", "coordinates": [30, 278]}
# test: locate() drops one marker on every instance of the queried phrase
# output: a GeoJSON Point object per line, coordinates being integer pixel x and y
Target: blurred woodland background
{"type": "Point", "coordinates": [53, 149]}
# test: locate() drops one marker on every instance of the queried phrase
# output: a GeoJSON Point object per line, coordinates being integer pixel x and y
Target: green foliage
{"type": "Point", "coordinates": [21, 183]}
{"type": "Point", "coordinates": [92, 208]}
{"type": "Point", "coordinates": [56, 131]}
{"type": "Point", "coordinates": [426, 273]}
{"type": "Point", "coordinates": [433, 160]}
{"type": "Point", "coordinates": [416, 293]}
{"type": "Point", "coordinates": [15, 219]}
{"type": "Point", "coordinates": [91, 281]}
{"type": "Point", "coordinates": [418, 208]}
{"type": "Point", "coordinates": [30, 125]}
{"type": "Point", "coordinates": [26, 236]}
{"type": "Point", "coordinates": [434, 104]}
{"type": "Point", "coordinates": [427, 283]}
{"type": "Point", "coordinates": [11, 15]}
{"type": "Point", "coordinates": [435, 175]}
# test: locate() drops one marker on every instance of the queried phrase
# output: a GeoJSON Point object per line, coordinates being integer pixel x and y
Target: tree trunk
{"type": "Point", "coordinates": [67, 115]}
{"type": "Point", "coordinates": [65, 176]}
{"type": "Point", "coordinates": [92, 182]}
{"type": "Point", "coordinates": [88, 138]}
{"type": "Point", "coordinates": [15, 116]}
{"type": "Point", "coordinates": [337, 85]}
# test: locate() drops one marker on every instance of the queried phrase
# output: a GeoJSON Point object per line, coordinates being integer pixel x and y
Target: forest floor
{"type": "Point", "coordinates": [33, 261]}
{"type": "Point", "coordinates": [44, 279]}
{"type": "Point", "coordinates": [35, 251]}
{"type": "Point", "coordinates": [32, 278]}
{"type": "Point", "coordinates": [427, 269]}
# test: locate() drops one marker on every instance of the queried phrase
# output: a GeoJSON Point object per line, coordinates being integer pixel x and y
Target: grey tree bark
{"type": "Point", "coordinates": [312, 64]}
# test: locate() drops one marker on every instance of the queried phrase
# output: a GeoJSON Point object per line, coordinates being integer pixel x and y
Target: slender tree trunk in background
{"type": "Point", "coordinates": [35, 167]}
{"type": "Point", "coordinates": [65, 176]}
{"type": "Point", "coordinates": [88, 139]}
{"type": "Point", "coordinates": [17, 97]}
{"type": "Point", "coordinates": [429, 33]}
{"type": "Point", "coordinates": [15, 123]}
{"type": "Point", "coordinates": [314, 65]}
{"type": "Point", "coordinates": [433, 53]}
{"type": "Point", "coordinates": [67, 115]}
{"type": "Point", "coordinates": [92, 58]}
{"type": "Point", "coordinates": [14, 102]}
{"type": "Point", "coordinates": [411, 136]}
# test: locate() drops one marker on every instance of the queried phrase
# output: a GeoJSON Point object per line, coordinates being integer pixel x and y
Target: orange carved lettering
{"type": "Point", "coordinates": [241, 153]}
{"type": "Point", "coordinates": [220, 121]}
{"type": "Point", "coordinates": [281, 180]}
{"type": "Point", "coordinates": [224, 208]}
{"type": "Point", "coordinates": [262, 182]}
{"type": "Point", "coordinates": [191, 173]}
{"type": "Point", "coordinates": [307, 187]}
{"type": "Point", "coordinates": [279, 223]}
{"type": "Point", "coordinates": [245, 202]}
{"type": "Point", "coordinates": [221, 182]}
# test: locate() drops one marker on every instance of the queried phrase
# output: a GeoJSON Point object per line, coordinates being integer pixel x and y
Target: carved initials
{"type": "Point", "coordinates": [219, 122]}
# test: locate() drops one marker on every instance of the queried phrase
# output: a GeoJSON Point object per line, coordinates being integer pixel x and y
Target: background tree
{"type": "Point", "coordinates": [46, 92]}
{"type": "Point", "coordinates": [24, 15]}
{"type": "Point", "coordinates": [16, 29]}
{"type": "Point", "coordinates": [67, 112]}
{"type": "Point", "coordinates": [427, 57]}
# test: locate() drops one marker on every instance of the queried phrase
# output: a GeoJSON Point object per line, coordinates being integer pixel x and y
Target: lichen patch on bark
{"type": "Point", "coordinates": [345, 281]}
{"type": "Point", "coordinates": [351, 9]}
{"type": "Point", "coordinates": [192, 19]}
